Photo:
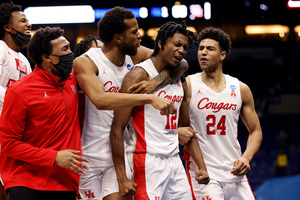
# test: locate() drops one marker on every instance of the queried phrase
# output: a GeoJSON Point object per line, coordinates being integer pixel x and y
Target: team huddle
{"type": "Point", "coordinates": [108, 124]}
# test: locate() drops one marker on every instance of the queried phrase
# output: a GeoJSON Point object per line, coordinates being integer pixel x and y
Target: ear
{"type": "Point", "coordinates": [117, 38]}
{"type": "Point", "coordinates": [159, 44]}
{"type": "Point", "coordinates": [7, 28]}
{"type": "Point", "coordinates": [223, 55]}
{"type": "Point", "coordinates": [45, 58]}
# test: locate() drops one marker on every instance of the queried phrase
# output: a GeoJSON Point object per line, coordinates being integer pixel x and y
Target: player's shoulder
{"type": "Point", "coordinates": [246, 93]}
{"type": "Point", "coordinates": [3, 49]}
{"type": "Point", "coordinates": [137, 73]}
{"type": "Point", "coordinates": [2, 44]}
{"type": "Point", "coordinates": [82, 61]}
{"type": "Point", "coordinates": [243, 86]}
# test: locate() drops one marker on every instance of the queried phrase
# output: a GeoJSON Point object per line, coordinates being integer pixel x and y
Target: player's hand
{"type": "Point", "coordinates": [127, 187]}
{"type": "Point", "coordinates": [202, 176]}
{"type": "Point", "coordinates": [185, 134]}
{"type": "Point", "coordinates": [68, 159]}
{"type": "Point", "coordinates": [241, 167]}
{"type": "Point", "coordinates": [143, 87]}
{"type": "Point", "coordinates": [165, 106]}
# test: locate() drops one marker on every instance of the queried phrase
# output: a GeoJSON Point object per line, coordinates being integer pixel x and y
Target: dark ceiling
{"type": "Point", "coordinates": [230, 11]}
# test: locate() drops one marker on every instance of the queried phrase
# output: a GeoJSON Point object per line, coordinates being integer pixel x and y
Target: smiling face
{"type": "Point", "coordinates": [131, 37]}
{"type": "Point", "coordinates": [175, 49]}
{"type": "Point", "coordinates": [19, 22]}
{"type": "Point", "coordinates": [210, 56]}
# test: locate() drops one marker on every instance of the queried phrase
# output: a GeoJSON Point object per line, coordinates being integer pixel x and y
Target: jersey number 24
{"type": "Point", "coordinates": [212, 122]}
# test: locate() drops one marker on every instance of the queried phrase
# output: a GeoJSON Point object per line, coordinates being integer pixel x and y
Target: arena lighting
{"type": "Point", "coordinates": [159, 12]}
{"type": "Point", "coordinates": [177, 3]}
{"type": "Point", "coordinates": [99, 12]}
{"type": "Point", "coordinates": [179, 11]}
{"type": "Point", "coordinates": [196, 11]}
{"type": "Point", "coordinates": [207, 10]}
{"type": "Point", "coordinates": [143, 12]}
{"type": "Point", "coordinates": [138, 12]}
{"type": "Point", "coordinates": [297, 30]}
{"type": "Point", "coordinates": [32, 32]}
{"type": "Point", "coordinates": [164, 12]}
{"type": "Point", "coordinates": [266, 29]}
{"type": "Point", "coordinates": [142, 32]}
{"type": "Point", "coordinates": [78, 39]}
{"type": "Point", "coordinates": [60, 14]}
{"type": "Point", "coordinates": [263, 7]}
{"type": "Point", "coordinates": [293, 4]}
{"type": "Point", "coordinates": [152, 32]}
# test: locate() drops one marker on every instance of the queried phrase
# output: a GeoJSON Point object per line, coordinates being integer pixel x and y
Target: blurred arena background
{"type": "Point", "coordinates": [265, 55]}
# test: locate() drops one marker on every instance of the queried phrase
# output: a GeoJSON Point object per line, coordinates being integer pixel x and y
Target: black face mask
{"type": "Point", "coordinates": [20, 38]}
{"type": "Point", "coordinates": [65, 64]}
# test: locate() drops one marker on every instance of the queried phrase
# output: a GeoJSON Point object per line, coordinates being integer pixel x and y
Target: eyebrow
{"type": "Point", "coordinates": [23, 17]}
{"type": "Point", "coordinates": [209, 46]}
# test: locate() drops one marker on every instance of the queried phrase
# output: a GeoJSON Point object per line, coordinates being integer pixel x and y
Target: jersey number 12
{"type": "Point", "coordinates": [171, 121]}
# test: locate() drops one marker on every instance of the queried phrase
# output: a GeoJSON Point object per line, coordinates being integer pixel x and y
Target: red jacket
{"type": "Point", "coordinates": [39, 118]}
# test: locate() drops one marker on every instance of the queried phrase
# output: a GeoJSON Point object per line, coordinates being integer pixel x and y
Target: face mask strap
{"type": "Point", "coordinates": [12, 28]}
{"type": "Point", "coordinates": [20, 39]}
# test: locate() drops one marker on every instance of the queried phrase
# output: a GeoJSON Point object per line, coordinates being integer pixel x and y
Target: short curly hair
{"type": "Point", "coordinates": [168, 30]}
{"type": "Point", "coordinates": [6, 9]}
{"type": "Point", "coordinates": [218, 35]}
{"type": "Point", "coordinates": [40, 43]}
{"type": "Point", "coordinates": [113, 23]}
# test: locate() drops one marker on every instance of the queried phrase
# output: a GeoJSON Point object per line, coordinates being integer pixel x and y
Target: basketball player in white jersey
{"type": "Point", "coordinates": [14, 34]}
{"type": "Point", "coordinates": [216, 101]}
{"type": "Point", "coordinates": [99, 73]}
{"type": "Point", "coordinates": [157, 167]}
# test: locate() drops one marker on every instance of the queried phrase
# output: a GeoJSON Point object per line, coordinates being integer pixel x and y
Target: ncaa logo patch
{"type": "Point", "coordinates": [233, 87]}
{"type": "Point", "coordinates": [128, 66]}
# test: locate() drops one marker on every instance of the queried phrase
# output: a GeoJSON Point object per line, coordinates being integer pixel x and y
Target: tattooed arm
{"type": "Point", "coordinates": [165, 77]}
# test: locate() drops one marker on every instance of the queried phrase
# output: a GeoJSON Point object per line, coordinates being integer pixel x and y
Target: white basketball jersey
{"type": "Point", "coordinates": [215, 115]}
{"type": "Point", "coordinates": [13, 66]}
{"type": "Point", "coordinates": [97, 123]}
{"type": "Point", "coordinates": [157, 134]}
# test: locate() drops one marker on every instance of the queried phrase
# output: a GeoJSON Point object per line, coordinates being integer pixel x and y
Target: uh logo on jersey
{"type": "Point", "coordinates": [21, 66]}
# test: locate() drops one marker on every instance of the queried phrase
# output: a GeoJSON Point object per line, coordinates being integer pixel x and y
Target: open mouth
{"type": "Point", "coordinates": [27, 32]}
{"type": "Point", "coordinates": [178, 58]}
{"type": "Point", "coordinates": [203, 59]}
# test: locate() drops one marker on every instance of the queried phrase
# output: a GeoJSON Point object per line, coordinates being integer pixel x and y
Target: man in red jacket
{"type": "Point", "coordinates": [39, 126]}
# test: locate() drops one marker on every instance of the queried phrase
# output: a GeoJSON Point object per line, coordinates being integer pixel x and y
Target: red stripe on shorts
{"type": "Point", "coordinates": [189, 177]}
{"type": "Point", "coordinates": [140, 176]}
